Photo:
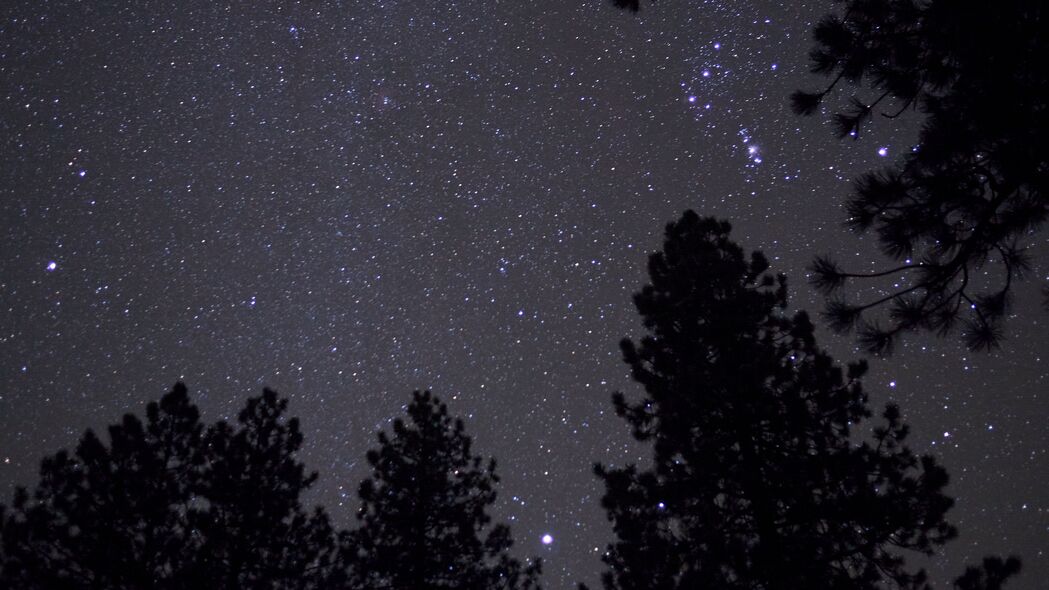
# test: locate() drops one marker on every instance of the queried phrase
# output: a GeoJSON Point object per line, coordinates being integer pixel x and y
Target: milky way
{"type": "Point", "coordinates": [346, 201]}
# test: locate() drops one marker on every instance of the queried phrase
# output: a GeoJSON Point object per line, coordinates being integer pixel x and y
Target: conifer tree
{"type": "Point", "coordinates": [424, 521]}
{"type": "Point", "coordinates": [169, 504]}
{"type": "Point", "coordinates": [958, 212]}
{"type": "Point", "coordinates": [757, 481]}
{"type": "Point", "coordinates": [111, 516]}
{"type": "Point", "coordinates": [255, 533]}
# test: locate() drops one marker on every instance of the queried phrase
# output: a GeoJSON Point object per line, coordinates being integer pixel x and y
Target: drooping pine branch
{"type": "Point", "coordinates": [970, 197]}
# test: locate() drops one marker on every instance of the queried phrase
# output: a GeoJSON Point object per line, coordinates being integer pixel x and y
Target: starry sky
{"type": "Point", "coordinates": [346, 201]}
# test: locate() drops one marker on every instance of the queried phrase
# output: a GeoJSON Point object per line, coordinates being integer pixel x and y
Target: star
{"type": "Point", "coordinates": [547, 539]}
{"type": "Point", "coordinates": [51, 266]}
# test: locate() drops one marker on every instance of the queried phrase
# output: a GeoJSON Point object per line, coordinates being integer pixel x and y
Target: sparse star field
{"type": "Point", "coordinates": [346, 201]}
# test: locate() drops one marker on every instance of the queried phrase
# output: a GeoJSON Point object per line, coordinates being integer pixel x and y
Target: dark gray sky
{"type": "Point", "coordinates": [349, 200]}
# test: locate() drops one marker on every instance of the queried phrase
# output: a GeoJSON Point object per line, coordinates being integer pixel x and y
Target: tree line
{"type": "Point", "coordinates": [765, 474]}
{"type": "Point", "coordinates": [171, 503]}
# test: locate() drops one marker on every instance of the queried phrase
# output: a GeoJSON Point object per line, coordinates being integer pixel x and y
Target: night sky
{"type": "Point", "coordinates": [346, 201]}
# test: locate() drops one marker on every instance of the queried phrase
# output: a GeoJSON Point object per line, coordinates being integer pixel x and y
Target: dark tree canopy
{"type": "Point", "coordinates": [424, 512]}
{"type": "Point", "coordinates": [631, 5]}
{"type": "Point", "coordinates": [957, 212]}
{"type": "Point", "coordinates": [757, 481]}
{"type": "Point", "coordinates": [171, 504]}
{"type": "Point", "coordinates": [255, 533]}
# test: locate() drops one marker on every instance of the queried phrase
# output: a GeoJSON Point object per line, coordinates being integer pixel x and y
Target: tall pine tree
{"type": "Point", "coordinates": [424, 520]}
{"type": "Point", "coordinates": [255, 532]}
{"type": "Point", "coordinates": [113, 516]}
{"type": "Point", "coordinates": [757, 481]}
{"type": "Point", "coordinates": [170, 504]}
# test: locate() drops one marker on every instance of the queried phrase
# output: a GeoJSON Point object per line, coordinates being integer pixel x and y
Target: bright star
{"type": "Point", "coordinates": [883, 151]}
{"type": "Point", "coordinates": [547, 539]}
{"type": "Point", "coordinates": [51, 266]}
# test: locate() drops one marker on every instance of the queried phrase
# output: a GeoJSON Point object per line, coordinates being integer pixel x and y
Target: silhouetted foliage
{"type": "Point", "coordinates": [757, 481]}
{"type": "Point", "coordinates": [255, 533]}
{"type": "Point", "coordinates": [965, 203]}
{"type": "Point", "coordinates": [990, 575]}
{"type": "Point", "coordinates": [170, 504]}
{"type": "Point", "coordinates": [424, 512]}
{"type": "Point", "coordinates": [631, 5]}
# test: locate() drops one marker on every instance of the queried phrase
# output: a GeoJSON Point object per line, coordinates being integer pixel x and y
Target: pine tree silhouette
{"type": "Point", "coordinates": [756, 481]}
{"type": "Point", "coordinates": [170, 505]}
{"type": "Point", "coordinates": [424, 512]}
{"type": "Point", "coordinates": [111, 516]}
{"type": "Point", "coordinates": [255, 532]}
{"type": "Point", "coordinates": [968, 200]}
